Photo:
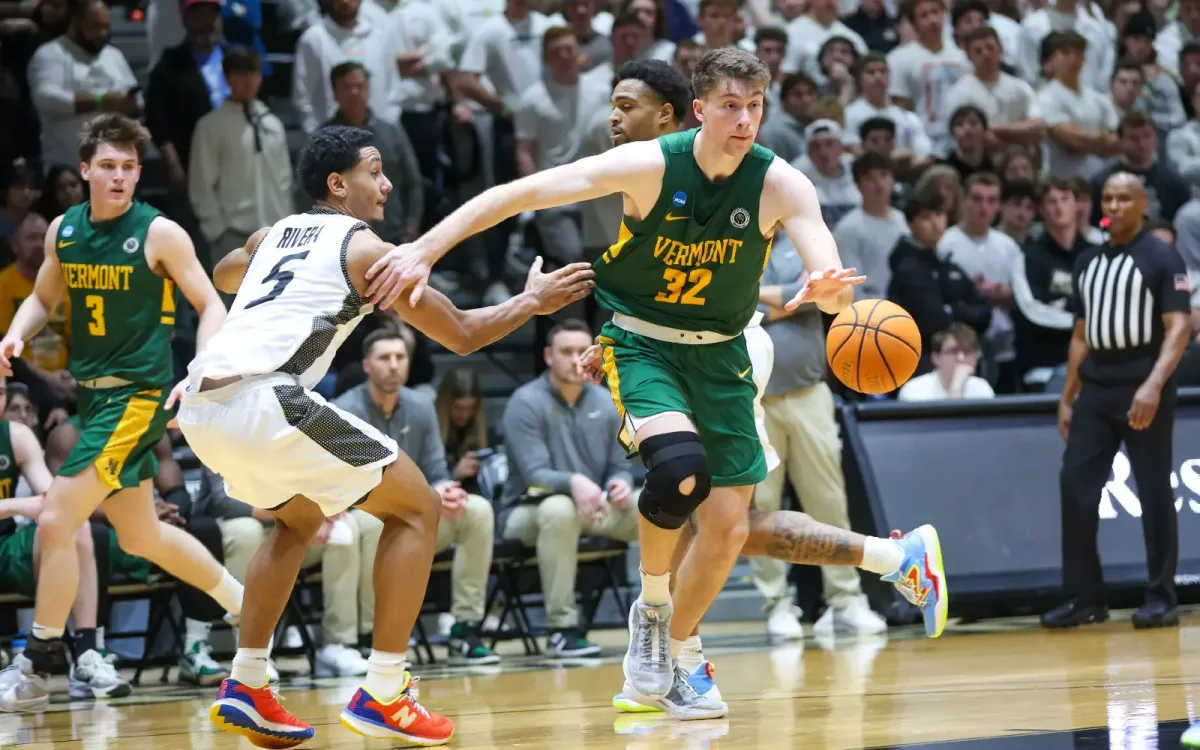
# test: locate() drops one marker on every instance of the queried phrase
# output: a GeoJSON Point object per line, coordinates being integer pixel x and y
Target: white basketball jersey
{"type": "Point", "coordinates": [295, 306]}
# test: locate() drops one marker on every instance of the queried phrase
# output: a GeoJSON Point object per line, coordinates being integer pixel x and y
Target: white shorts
{"type": "Point", "coordinates": [271, 439]}
{"type": "Point", "coordinates": [762, 356]}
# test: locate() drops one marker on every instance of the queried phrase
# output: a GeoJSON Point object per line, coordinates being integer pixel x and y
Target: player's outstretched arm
{"type": "Point", "coordinates": [633, 169]}
{"type": "Point", "coordinates": [48, 291]}
{"type": "Point", "coordinates": [465, 331]}
{"type": "Point", "coordinates": [791, 199]}
{"type": "Point", "coordinates": [231, 269]}
{"type": "Point", "coordinates": [170, 250]}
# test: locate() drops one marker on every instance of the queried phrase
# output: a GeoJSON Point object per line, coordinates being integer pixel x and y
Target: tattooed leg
{"type": "Point", "coordinates": [797, 538]}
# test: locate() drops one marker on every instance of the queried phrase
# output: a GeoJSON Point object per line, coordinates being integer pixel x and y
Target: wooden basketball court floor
{"type": "Point", "coordinates": [998, 685]}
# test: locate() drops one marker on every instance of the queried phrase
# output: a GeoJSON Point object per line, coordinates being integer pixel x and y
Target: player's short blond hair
{"type": "Point", "coordinates": [728, 63]}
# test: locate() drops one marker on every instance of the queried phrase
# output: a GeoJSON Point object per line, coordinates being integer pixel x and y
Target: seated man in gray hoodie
{"type": "Point", "coordinates": [567, 477]}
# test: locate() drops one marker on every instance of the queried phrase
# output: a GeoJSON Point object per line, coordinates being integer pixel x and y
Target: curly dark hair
{"type": "Point", "coordinates": [663, 79]}
{"type": "Point", "coordinates": [333, 149]}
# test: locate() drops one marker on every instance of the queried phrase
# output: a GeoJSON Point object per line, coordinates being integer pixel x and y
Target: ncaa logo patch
{"type": "Point", "coordinates": [131, 245]}
{"type": "Point", "coordinates": [5, 462]}
{"type": "Point", "coordinates": [679, 199]}
{"type": "Point", "coordinates": [740, 218]}
{"type": "Point", "coordinates": [68, 231]}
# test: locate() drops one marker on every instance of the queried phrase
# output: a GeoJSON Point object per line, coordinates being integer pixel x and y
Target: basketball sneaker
{"type": "Point", "coordinates": [920, 578]}
{"type": "Point", "coordinates": [22, 690]}
{"type": "Point", "coordinates": [702, 681]}
{"type": "Point", "coordinates": [402, 719]}
{"type": "Point", "coordinates": [647, 663]}
{"type": "Point", "coordinates": [682, 701]}
{"type": "Point", "coordinates": [1191, 738]}
{"type": "Point", "coordinates": [255, 714]}
{"type": "Point", "coordinates": [93, 677]}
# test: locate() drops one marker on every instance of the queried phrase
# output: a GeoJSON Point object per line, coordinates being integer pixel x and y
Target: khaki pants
{"type": "Point", "coordinates": [473, 533]}
{"type": "Point", "coordinates": [553, 528]}
{"type": "Point", "coordinates": [802, 429]}
{"type": "Point", "coordinates": [240, 539]}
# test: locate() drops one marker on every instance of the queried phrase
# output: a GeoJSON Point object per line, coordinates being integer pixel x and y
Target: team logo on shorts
{"type": "Point", "coordinates": [740, 218]}
{"type": "Point", "coordinates": [679, 199]}
{"type": "Point", "coordinates": [131, 245]}
{"type": "Point", "coordinates": [68, 231]}
{"type": "Point", "coordinates": [5, 462]}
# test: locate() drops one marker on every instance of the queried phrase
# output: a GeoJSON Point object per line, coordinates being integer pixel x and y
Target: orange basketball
{"type": "Point", "coordinates": [873, 346]}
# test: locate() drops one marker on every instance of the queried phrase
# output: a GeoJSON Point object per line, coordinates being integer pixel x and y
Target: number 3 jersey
{"type": "Point", "coordinates": [295, 306]}
{"type": "Point", "coordinates": [695, 261]}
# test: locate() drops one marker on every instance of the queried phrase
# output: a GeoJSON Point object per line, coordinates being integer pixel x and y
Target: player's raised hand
{"type": "Point", "coordinates": [10, 348]}
{"type": "Point", "coordinates": [591, 363]}
{"type": "Point", "coordinates": [825, 287]}
{"type": "Point", "coordinates": [560, 288]}
{"type": "Point", "coordinates": [402, 267]}
{"type": "Point", "coordinates": [172, 397]}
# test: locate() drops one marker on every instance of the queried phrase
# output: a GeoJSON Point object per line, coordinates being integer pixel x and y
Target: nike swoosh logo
{"type": "Point", "coordinates": [673, 217]}
{"type": "Point", "coordinates": [61, 245]}
{"type": "Point", "coordinates": [745, 372]}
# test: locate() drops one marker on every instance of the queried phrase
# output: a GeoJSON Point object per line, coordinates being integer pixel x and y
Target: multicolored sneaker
{"type": "Point", "coordinates": [920, 578]}
{"type": "Point", "coordinates": [702, 681]}
{"type": "Point", "coordinates": [255, 714]}
{"type": "Point", "coordinates": [403, 719]}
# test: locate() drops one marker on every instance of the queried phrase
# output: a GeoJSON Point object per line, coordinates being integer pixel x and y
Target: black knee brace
{"type": "Point", "coordinates": [669, 459]}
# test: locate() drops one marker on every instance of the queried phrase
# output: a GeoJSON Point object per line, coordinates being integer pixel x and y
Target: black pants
{"type": "Point", "coordinates": [425, 133]}
{"type": "Point", "coordinates": [1099, 426]}
{"type": "Point", "coordinates": [504, 164]}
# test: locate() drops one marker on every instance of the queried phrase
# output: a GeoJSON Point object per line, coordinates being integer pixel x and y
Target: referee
{"type": "Point", "coordinates": [1131, 330]}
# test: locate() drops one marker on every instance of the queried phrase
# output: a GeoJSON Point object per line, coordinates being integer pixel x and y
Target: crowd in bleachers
{"type": "Point", "coordinates": [958, 154]}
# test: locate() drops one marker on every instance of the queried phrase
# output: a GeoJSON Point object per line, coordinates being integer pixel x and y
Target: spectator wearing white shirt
{"type": "Point", "coordinates": [830, 169]}
{"type": "Point", "coordinates": [1183, 148]}
{"type": "Point", "coordinates": [76, 75]}
{"type": "Point", "coordinates": [874, 81]}
{"type": "Point", "coordinates": [1008, 102]}
{"type": "Point", "coordinates": [551, 122]}
{"type": "Point", "coordinates": [1005, 18]}
{"type": "Point", "coordinates": [866, 235]}
{"type": "Point", "coordinates": [924, 70]}
{"type": "Point", "coordinates": [240, 175]}
{"type": "Point", "coordinates": [1098, 35]}
{"type": "Point", "coordinates": [988, 256]}
{"type": "Point", "coordinates": [1160, 96]}
{"type": "Point", "coordinates": [630, 40]}
{"type": "Point", "coordinates": [783, 132]}
{"type": "Point", "coordinates": [344, 33]}
{"type": "Point", "coordinates": [1171, 40]}
{"type": "Point", "coordinates": [719, 25]}
{"type": "Point", "coordinates": [955, 357]}
{"type": "Point", "coordinates": [809, 32]}
{"type": "Point", "coordinates": [1081, 122]}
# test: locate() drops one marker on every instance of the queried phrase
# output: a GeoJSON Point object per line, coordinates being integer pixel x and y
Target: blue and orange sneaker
{"type": "Point", "coordinates": [255, 714]}
{"type": "Point", "coordinates": [403, 719]}
{"type": "Point", "coordinates": [920, 578]}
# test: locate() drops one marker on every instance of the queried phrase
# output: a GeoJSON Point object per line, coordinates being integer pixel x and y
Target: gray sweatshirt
{"type": "Point", "coordinates": [800, 338]}
{"type": "Point", "coordinates": [412, 424]}
{"type": "Point", "coordinates": [548, 439]}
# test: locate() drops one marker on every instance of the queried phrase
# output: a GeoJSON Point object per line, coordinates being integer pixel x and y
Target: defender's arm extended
{"type": "Point", "coordinates": [230, 270]}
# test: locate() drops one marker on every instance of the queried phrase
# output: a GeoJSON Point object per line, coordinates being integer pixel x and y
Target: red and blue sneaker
{"type": "Point", "coordinates": [920, 578]}
{"type": "Point", "coordinates": [255, 714]}
{"type": "Point", "coordinates": [403, 719]}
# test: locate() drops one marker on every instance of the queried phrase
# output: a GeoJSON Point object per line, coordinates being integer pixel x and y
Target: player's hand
{"type": "Point", "coordinates": [619, 492]}
{"type": "Point", "coordinates": [825, 287]}
{"type": "Point", "coordinates": [560, 288]}
{"type": "Point", "coordinates": [591, 363]}
{"type": "Point", "coordinates": [172, 397]}
{"type": "Point", "coordinates": [1144, 406]}
{"type": "Point", "coordinates": [1065, 412]}
{"type": "Point", "coordinates": [10, 348]}
{"type": "Point", "coordinates": [402, 267]}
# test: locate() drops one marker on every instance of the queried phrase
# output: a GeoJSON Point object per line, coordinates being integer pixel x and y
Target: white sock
{"type": "Point", "coordinates": [196, 632]}
{"type": "Point", "coordinates": [228, 593]}
{"type": "Point", "coordinates": [656, 590]}
{"type": "Point", "coordinates": [250, 667]}
{"type": "Point", "coordinates": [43, 633]}
{"type": "Point", "coordinates": [691, 655]}
{"type": "Point", "coordinates": [100, 638]}
{"type": "Point", "coordinates": [882, 556]}
{"type": "Point", "coordinates": [386, 676]}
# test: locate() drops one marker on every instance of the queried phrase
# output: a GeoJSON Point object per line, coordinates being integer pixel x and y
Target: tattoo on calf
{"type": "Point", "coordinates": [797, 538]}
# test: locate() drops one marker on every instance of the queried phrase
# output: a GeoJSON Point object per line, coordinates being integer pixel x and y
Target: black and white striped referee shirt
{"type": "Point", "coordinates": [1123, 291]}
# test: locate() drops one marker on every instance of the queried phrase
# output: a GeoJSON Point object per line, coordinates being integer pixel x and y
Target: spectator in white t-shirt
{"type": "Point", "coordinates": [925, 69]}
{"type": "Point", "coordinates": [874, 82]}
{"type": "Point", "coordinates": [1008, 102]}
{"type": "Point", "coordinates": [1079, 17]}
{"type": "Point", "coordinates": [1081, 123]}
{"type": "Point", "coordinates": [866, 235]}
{"type": "Point", "coordinates": [830, 169]}
{"type": "Point", "coordinates": [1175, 36]}
{"type": "Point", "coordinates": [808, 33]}
{"type": "Point", "coordinates": [955, 357]}
{"type": "Point", "coordinates": [988, 256]}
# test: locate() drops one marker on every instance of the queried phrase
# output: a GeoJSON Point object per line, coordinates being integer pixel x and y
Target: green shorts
{"type": "Point", "coordinates": [713, 384]}
{"type": "Point", "coordinates": [118, 429]}
{"type": "Point", "coordinates": [16, 561]}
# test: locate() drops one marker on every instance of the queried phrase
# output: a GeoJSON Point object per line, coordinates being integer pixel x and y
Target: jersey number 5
{"type": "Point", "coordinates": [698, 278]}
{"type": "Point", "coordinates": [281, 278]}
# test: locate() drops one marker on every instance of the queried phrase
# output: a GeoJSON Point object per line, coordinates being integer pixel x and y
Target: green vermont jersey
{"type": "Point", "coordinates": [695, 261]}
{"type": "Point", "coordinates": [10, 473]}
{"type": "Point", "coordinates": [122, 313]}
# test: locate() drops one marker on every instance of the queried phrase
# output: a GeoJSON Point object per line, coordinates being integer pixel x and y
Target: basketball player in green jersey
{"type": "Point", "coordinates": [21, 455]}
{"type": "Point", "coordinates": [701, 209]}
{"type": "Point", "coordinates": [118, 260]}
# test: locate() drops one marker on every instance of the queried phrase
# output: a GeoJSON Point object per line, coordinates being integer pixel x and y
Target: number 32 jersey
{"type": "Point", "coordinates": [695, 261]}
{"type": "Point", "coordinates": [295, 307]}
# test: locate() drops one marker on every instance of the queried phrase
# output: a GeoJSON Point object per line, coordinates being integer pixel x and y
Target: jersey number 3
{"type": "Point", "coordinates": [698, 278]}
{"type": "Point", "coordinates": [281, 278]}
